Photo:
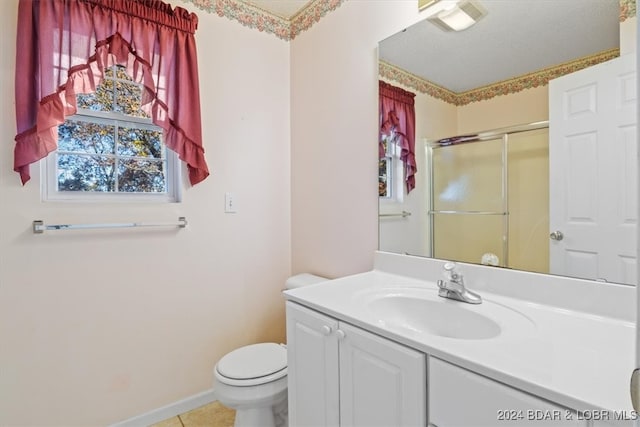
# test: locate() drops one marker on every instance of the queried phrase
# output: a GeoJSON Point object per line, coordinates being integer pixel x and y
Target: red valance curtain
{"type": "Point", "coordinates": [397, 115]}
{"type": "Point", "coordinates": [63, 48]}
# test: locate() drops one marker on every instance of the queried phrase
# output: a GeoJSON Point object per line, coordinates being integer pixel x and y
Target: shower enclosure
{"type": "Point", "coordinates": [489, 197]}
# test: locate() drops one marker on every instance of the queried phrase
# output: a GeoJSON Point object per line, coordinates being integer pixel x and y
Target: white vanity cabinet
{"type": "Point", "coordinates": [340, 375]}
{"type": "Point", "coordinates": [458, 397]}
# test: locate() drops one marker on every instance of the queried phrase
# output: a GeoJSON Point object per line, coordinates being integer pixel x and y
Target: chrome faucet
{"type": "Point", "coordinates": [453, 286]}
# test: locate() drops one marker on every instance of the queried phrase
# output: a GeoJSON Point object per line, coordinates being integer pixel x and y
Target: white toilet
{"type": "Point", "coordinates": [253, 379]}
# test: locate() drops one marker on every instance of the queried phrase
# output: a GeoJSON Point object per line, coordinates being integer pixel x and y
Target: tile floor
{"type": "Point", "coordinates": [211, 415]}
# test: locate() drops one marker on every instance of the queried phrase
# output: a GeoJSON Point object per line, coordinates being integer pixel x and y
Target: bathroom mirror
{"type": "Point", "coordinates": [487, 198]}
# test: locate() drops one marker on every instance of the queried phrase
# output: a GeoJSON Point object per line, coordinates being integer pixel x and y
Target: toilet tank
{"type": "Point", "coordinates": [304, 279]}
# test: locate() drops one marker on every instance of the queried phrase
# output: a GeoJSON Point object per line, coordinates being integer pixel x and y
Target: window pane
{"type": "Point", "coordinates": [121, 73]}
{"type": "Point", "coordinates": [101, 100]}
{"type": "Point", "coordinates": [85, 137]}
{"type": "Point", "coordinates": [109, 72]}
{"type": "Point", "coordinates": [129, 99]}
{"type": "Point", "coordinates": [85, 173]}
{"type": "Point", "coordinates": [141, 176]}
{"type": "Point", "coordinates": [383, 177]}
{"type": "Point", "coordinates": [140, 143]}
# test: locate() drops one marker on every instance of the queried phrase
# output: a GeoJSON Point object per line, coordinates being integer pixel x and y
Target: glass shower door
{"type": "Point", "coordinates": [469, 218]}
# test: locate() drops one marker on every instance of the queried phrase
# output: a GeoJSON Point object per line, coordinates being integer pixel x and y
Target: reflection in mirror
{"type": "Point", "coordinates": [524, 140]}
{"type": "Point", "coordinates": [491, 192]}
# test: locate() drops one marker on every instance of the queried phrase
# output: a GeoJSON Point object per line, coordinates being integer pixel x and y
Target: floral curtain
{"type": "Point", "coordinates": [63, 48]}
{"type": "Point", "coordinates": [397, 115]}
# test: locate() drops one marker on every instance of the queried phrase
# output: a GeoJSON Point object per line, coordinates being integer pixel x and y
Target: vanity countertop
{"type": "Point", "coordinates": [577, 359]}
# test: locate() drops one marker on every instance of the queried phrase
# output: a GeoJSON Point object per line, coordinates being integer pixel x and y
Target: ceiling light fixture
{"type": "Point", "coordinates": [456, 16]}
{"type": "Point", "coordinates": [431, 7]}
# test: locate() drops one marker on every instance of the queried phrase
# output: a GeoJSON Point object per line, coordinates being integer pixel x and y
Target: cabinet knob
{"type": "Point", "coordinates": [340, 334]}
{"type": "Point", "coordinates": [326, 330]}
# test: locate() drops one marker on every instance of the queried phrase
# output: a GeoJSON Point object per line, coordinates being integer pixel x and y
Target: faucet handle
{"type": "Point", "coordinates": [452, 272]}
{"type": "Point", "coordinates": [449, 266]}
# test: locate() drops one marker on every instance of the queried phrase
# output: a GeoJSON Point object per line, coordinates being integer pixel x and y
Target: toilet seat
{"type": "Point", "coordinates": [253, 365]}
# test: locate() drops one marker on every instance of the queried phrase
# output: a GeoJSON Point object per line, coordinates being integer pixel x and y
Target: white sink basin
{"type": "Point", "coordinates": [443, 318]}
{"type": "Point", "coordinates": [422, 311]}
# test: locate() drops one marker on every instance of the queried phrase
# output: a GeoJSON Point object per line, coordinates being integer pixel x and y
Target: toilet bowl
{"type": "Point", "coordinates": [253, 379]}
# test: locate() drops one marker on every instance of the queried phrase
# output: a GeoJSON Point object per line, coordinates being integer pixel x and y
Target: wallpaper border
{"type": "Point", "coordinates": [504, 87]}
{"type": "Point", "coordinates": [254, 17]}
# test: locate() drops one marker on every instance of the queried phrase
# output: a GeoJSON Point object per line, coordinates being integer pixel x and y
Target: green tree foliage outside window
{"type": "Point", "coordinates": [111, 145]}
{"type": "Point", "coordinates": [386, 167]}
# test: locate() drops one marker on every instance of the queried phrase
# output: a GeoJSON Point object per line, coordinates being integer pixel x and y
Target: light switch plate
{"type": "Point", "coordinates": [229, 203]}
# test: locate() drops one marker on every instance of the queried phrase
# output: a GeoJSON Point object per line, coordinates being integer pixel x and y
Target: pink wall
{"type": "Point", "coordinates": [334, 74]}
{"type": "Point", "coordinates": [528, 106]}
{"type": "Point", "coordinates": [100, 326]}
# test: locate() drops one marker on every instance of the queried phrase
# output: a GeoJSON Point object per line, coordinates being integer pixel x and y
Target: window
{"type": "Point", "coordinates": [385, 171]}
{"type": "Point", "coordinates": [390, 170]}
{"type": "Point", "coordinates": [396, 107]}
{"type": "Point", "coordinates": [111, 149]}
{"type": "Point", "coordinates": [115, 145]}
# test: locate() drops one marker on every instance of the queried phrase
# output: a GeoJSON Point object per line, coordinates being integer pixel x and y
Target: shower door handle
{"type": "Point", "coordinates": [556, 235]}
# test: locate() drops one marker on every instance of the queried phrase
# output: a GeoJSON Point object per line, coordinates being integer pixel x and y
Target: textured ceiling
{"type": "Point", "coordinates": [516, 37]}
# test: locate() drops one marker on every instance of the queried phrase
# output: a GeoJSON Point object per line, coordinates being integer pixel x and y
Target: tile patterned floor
{"type": "Point", "coordinates": [211, 415]}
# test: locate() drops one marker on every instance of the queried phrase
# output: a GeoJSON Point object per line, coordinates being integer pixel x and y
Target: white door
{"type": "Point", "coordinates": [593, 172]}
{"type": "Point", "coordinates": [382, 383]}
{"type": "Point", "coordinates": [313, 373]}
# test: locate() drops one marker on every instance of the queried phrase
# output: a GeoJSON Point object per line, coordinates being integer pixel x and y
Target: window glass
{"type": "Point", "coordinates": [111, 146]}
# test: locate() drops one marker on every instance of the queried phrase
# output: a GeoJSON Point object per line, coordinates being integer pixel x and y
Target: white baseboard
{"type": "Point", "coordinates": [169, 411]}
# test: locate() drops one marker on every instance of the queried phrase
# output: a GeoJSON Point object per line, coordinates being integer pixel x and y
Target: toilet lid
{"type": "Point", "coordinates": [253, 361]}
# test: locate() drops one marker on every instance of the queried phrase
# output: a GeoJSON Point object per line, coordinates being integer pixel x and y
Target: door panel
{"type": "Point", "coordinates": [593, 172]}
{"type": "Point", "coordinates": [382, 383]}
{"type": "Point", "coordinates": [312, 353]}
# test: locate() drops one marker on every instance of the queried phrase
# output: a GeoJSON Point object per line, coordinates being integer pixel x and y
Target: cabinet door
{"type": "Point", "coordinates": [382, 383]}
{"type": "Point", "coordinates": [312, 352]}
{"type": "Point", "coordinates": [459, 398]}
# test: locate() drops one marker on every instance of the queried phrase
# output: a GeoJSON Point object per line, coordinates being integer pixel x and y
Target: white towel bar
{"type": "Point", "coordinates": [403, 214]}
{"type": "Point", "coordinates": [40, 227]}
